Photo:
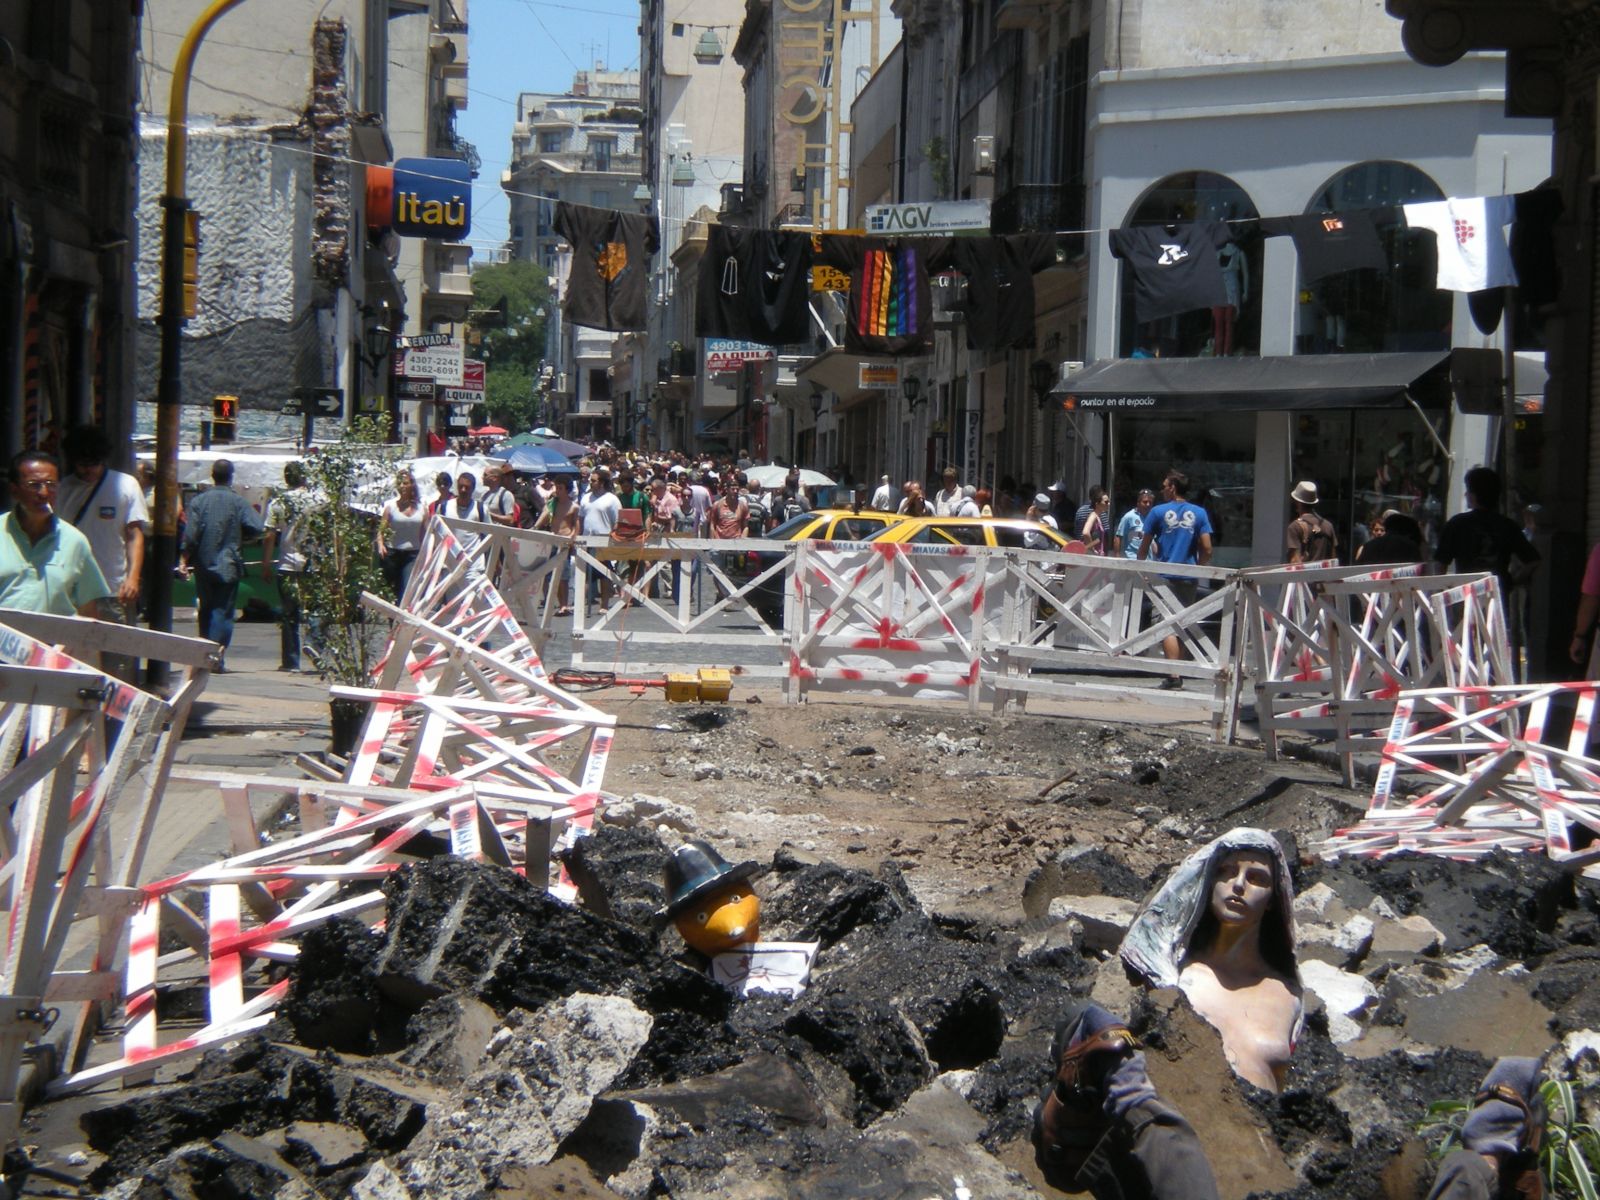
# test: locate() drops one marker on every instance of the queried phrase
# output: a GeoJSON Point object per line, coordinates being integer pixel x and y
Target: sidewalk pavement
{"type": "Point", "coordinates": [252, 719]}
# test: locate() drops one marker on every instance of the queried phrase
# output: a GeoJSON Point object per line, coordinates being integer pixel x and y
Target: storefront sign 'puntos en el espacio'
{"type": "Point", "coordinates": [421, 197]}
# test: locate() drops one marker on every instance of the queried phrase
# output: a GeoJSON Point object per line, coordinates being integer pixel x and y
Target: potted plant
{"type": "Point", "coordinates": [347, 484]}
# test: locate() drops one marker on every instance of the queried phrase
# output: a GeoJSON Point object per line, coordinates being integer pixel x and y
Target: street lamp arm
{"type": "Point", "coordinates": [178, 100]}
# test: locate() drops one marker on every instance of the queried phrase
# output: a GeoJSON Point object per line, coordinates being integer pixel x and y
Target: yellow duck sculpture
{"type": "Point", "coordinates": [711, 902]}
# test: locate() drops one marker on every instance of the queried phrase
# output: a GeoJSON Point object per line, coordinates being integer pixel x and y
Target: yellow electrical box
{"type": "Point", "coordinates": [715, 684]}
{"type": "Point", "coordinates": [683, 689]}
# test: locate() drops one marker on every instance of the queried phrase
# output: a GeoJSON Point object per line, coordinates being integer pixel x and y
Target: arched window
{"type": "Point", "coordinates": [1366, 311]}
{"type": "Point", "coordinates": [1231, 329]}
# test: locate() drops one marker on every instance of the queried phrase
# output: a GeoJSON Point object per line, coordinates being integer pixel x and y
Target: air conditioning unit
{"type": "Point", "coordinates": [1069, 369]}
{"type": "Point", "coordinates": [983, 154]}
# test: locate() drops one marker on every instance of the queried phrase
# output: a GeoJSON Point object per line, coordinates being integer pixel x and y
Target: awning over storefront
{"type": "Point", "coordinates": [1303, 381]}
{"type": "Point", "coordinates": [839, 371]}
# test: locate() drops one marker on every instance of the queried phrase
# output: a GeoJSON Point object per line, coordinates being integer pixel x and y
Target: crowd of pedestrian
{"type": "Point", "coordinates": [75, 542]}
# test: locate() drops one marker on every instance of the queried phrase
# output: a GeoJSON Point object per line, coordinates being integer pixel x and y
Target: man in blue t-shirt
{"type": "Point", "coordinates": [1130, 530]}
{"type": "Point", "coordinates": [1176, 531]}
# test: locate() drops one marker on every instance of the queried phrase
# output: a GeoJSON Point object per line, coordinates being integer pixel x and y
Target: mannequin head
{"type": "Point", "coordinates": [1189, 912]}
{"type": "Point", "coordinates": [1243, 901]}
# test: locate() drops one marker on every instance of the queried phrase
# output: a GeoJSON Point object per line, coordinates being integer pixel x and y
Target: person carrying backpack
{"type": "Point", "coordinates": [1311, 537]}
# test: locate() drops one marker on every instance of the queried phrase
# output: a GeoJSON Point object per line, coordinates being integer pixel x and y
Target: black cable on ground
{"type": "Point", "coordinates": [584, 681]}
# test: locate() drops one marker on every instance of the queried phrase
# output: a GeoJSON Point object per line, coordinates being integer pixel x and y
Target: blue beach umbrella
{"type": "Point", "coordinates": [535, 460]}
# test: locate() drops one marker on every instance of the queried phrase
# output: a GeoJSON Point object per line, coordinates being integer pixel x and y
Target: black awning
{"type": "Point", "coordinates": [1299, 381]}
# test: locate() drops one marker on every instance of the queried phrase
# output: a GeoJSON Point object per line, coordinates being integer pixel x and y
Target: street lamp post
{"type": "Point", "coordinates": [169, 392]}
{"type": "Point", "coordinates": [377, 344]}
{"type": "Point", "coordinates": [1042, 377]}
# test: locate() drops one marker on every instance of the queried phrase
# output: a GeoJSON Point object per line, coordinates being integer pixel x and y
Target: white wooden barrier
{"type": "Point", "coordinates": [894, 619]}
{"type": "Point", "coordinates": [1319, 649]}
{"type": "Point", "coordinates": [1494, 776]}
{"type": "Point", "coordinates": [1328, 649]}
{"type": "Point", "coordinates": [665, 603]}
{"type": "Point", "coordinates": [1073, 619]}
{"type": "Point", "coordinates": [58, 863]}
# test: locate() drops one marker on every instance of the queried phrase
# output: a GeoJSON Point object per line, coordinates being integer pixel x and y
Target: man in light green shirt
{"type": "Point", "coordinates": [45, 564]}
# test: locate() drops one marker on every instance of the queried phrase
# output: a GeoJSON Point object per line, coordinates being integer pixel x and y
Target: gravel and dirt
{"type": "Point", "coordinates": [954, 869]}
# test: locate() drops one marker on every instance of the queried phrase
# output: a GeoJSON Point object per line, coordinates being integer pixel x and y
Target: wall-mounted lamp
{"type": "Point", "coordinates": [816, 403]}
{"type": "Point", "coordinates": [377, 339]}
{"type": "Point", "coordinates": [911, 388]}
{"type": "Point", "coordinates": [1042, 377]}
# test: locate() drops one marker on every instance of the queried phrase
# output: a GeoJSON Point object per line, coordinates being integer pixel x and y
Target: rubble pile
{"type": "Point", "coordinates": [494, 1040]}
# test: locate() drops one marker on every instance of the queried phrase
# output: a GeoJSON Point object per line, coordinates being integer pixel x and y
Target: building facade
{"type": "Point", "coordinates": [1551, 68]}
{"type": "Point", "coordinates": [68, 151]}
{"type": "Point", "coordinates": [582, 147]}
{"type": "Point", "coordinates": [426, 89]}
{"type": "Point", "coordinates": [288, 105]}
{"type": "Point", "coordinates": [1087, 117]}
{"type": "Point", "coordinates": [804, 65]}
{"type": "Point", "coordinates": [693, 154]}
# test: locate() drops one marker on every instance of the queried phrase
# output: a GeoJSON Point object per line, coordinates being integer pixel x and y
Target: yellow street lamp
{"type": "Point", "coordinates": [179, 257]}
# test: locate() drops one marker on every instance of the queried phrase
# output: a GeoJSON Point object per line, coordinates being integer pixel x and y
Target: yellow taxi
{"type": "Point", "coordinates": [834, 525]}
{"type": "Point", "coordinates": [1013, 533]}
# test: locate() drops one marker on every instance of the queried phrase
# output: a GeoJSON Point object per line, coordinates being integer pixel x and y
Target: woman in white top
{"type": "Point", "coordinates": [400, 532]}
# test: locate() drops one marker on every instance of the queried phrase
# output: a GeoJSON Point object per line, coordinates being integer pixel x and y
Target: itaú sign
{"type": "Point", "coordinates": [421, 197]}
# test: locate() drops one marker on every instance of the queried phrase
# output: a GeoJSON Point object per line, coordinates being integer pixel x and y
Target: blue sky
{"type": "Point", "coordinates": [530, 46]}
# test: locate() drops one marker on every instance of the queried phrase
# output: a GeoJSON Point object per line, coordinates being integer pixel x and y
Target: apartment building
{"type": "Point", "coordinates": [582, 146]}
{"type": "Point", "coordinates": [67, 153]}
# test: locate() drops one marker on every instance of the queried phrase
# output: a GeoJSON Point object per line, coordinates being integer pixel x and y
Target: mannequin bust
{"type": "Point", "coordinates": [1221, 928]}
{"type": "Point", "coordinates": [1252, 1005]}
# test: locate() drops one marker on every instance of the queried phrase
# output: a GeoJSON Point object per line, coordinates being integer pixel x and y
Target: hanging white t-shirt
{"type": "Point", "coordinates": [1470, 231]}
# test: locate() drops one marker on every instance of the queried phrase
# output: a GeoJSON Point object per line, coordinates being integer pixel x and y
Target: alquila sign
{"type": "Point", "coordinates": [421, 197]}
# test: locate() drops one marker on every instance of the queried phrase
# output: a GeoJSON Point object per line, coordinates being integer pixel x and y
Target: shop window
{"type": "Point", "coordinates": [1216, 450]}
{"type": "Point", "coordinates": [1233, 329]}
{"type": "Point", "coordinates": [1367, 461]}
{"type": "Point", "coordinates": [1374, 312]}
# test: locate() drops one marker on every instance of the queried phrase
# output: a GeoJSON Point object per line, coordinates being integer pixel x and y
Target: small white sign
{"type": "Point", "coordinates": [442, 364]}
{"type": "Point", "coordinates": [473, 384]}
{"type": "Point", "coordinates": [778, 968]}
{"type": "Point", "coordinates": [934, 216]}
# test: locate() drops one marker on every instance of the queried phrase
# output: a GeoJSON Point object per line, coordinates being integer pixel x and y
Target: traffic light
{"type": "Point", "coordinates": [224, 418]}
{"type": "Point", "coordinates": [191, 263]}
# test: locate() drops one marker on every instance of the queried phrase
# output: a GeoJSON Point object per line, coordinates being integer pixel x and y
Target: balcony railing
{"type": "Point", "coordinates": [675, 363]}
{"type": "Point", "coordinates": [1040, 208]}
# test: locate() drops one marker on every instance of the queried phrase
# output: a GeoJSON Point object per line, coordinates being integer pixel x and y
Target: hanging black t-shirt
{"type": "Point", "coordinates": [754, 286]}
{"type": "Point", "coordinates": [891, 306]}
{"type": "Point", "coordinates": [999, 274]}
{"type": "Point", "coordinates": [609, 283]}
{"type": "Point", "coordinates": [1330, 242]}
{"type": "Point", "coordinates": [1175, 267]}
{"type": "Point", "coordinates": [1533, 246]}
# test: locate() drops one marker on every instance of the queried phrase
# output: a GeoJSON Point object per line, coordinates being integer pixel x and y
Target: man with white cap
{"type": "Point", "coordinates": [1039, 511]}
{"type": "Point", "coordinates": [1311, 536]}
